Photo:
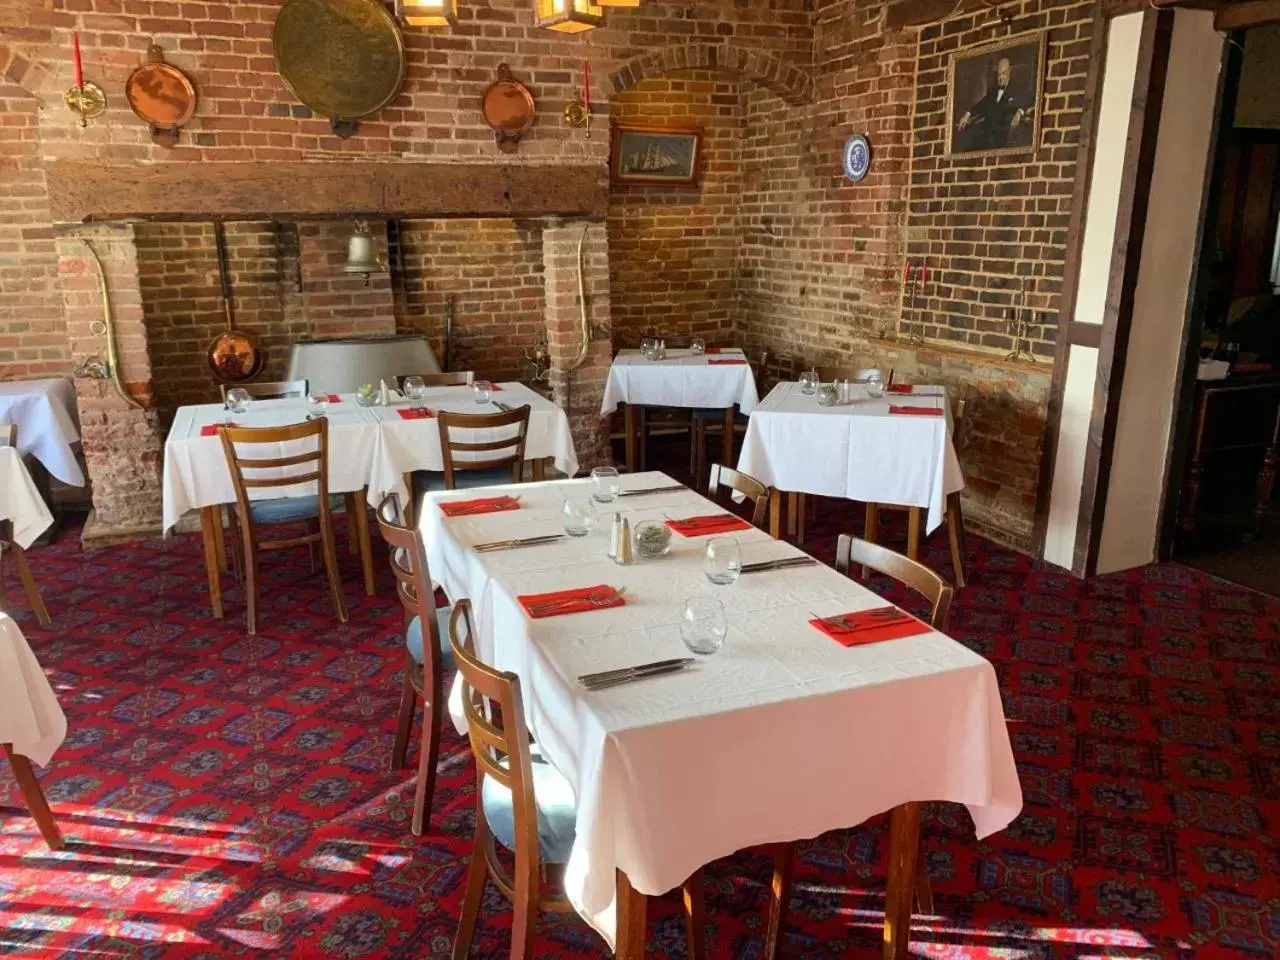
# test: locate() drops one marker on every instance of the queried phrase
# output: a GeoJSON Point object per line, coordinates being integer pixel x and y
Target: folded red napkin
{"type": "Point", "coordinates": [714, 350]}
{"type": "Point", "coordinates": [467, 508]}
{"type": "Point", "coordinates": [408, 413]}
{"type": "Point", "coordinates": [917, 411]}
{"type": "Point", "coordinates": [495, 386]}
{"type": "Point", "coordinates": [577, 600]}
{"type": "Point", "coordinates": [727, 361]}
{"type": "Point", "coordinates": [705, 526]}
{"type": "Point", "coordinates": [210, 429]}
{"type": "Point", "coordinates": [333, 398]}
{"type": "Point", "coordinates": [870, 626]}
{"type": "Point", "coordinates": [900, 388]}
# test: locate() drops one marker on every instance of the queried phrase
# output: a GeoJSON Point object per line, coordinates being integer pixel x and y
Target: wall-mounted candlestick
{"type": "Point", "coordinates": [86, 100]}
{"type": "Point", "coordinates": [578, 112]}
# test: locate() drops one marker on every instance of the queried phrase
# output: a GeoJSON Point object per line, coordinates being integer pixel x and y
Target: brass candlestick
{"type": "Point", "coordinates": [87, 101]}
{"type": "Point", "coordinates": [578, 114]}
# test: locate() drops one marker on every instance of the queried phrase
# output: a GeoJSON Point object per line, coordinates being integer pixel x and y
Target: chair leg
{"type": "Point", "coordinates": [923, 889]}
{"type": "Point", "coordinates": [29, 584]}
{"type": "Point", "coordinates": [237, 550]}
{"type": "Point", "coordinates": [524, 906]}
{"type": "Point", "coordinates": [955, 531]}
{"type": "Point", "coordinates": [426, 791]}
{"type": "Point", "coordinates": [780, 898]}
{"type": "Point", "coordinates": [356, 513]}
{"type": "Point", "coordinates": [353, 535]}
{"type": "Point", "coordinates": [219, 539]}
{"type": "Point", "coordinates": [477, 876]}
{"type": "Point", "coordinates": [695, 917]}
{"type": "Point", "coordinates": [404, 720]}
{"type": "Point", "coordinates": [313, 529]}
{"type": "Point", "coordinates": [693, 450]}
{"type": "Point", "coordinates": [250, 584]}
{"type": "Point", "coordinates": [331, 566]}
{"type": "Point", "coordinates": [870, 530]}
{"type": "Point", "coordinates": [800, 515]}
{"type": "Point", "coordinates": [34, 797]}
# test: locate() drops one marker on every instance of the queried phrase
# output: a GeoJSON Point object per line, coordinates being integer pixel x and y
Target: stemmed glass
{"type": "Point", "coordinates": [579, 515]}
{"type": "Point", "coordinates": [809, 382]}
{"type": "Point", "coordinates": [605, 484]}
{"type": "Point", "coordinates": [703, 625]}
{"type": "Point", "coordinates": [483, 389]}
{"type": "Point", "coordinates": [415, 389]}
{"type": "Point", "coordinates": [237, 402]}
{"type": "Point", "coordinates": [723, 561]}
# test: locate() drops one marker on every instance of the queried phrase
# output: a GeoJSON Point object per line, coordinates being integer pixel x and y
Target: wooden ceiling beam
{"type": "Point", "coordinates": [1252, 13]}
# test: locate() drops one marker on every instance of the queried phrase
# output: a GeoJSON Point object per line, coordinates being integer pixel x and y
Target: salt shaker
{"type": "Point", "coordinates": [615, 536]}
{"type": "Point", "coordinates": [624, 543]}
{"type": "Point", "coordinates": [384, 395]}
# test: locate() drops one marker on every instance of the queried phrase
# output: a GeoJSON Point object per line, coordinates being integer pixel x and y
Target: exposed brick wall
{"type": "Point", "coordinates": [493, 271]}
{"type": "Point", "coordinates": [673, 249]}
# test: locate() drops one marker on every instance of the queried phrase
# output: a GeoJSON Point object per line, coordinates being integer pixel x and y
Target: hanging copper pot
{"type": "Point", "coordinates": [508, 108]}
{"type": "Point", "coordinates": [234, 356]}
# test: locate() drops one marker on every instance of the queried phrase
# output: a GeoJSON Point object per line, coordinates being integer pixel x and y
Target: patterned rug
{"type": "Point", "coordinates": [230, 796]}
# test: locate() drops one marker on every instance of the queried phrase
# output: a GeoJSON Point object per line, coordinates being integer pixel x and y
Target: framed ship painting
{"type": "Point", "coordinates": [643, 154]}
{"type": "Point", "coordinates": [994, 97]}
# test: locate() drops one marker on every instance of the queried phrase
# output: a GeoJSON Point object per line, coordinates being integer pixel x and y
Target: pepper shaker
{"type": "Point", "coordinates": [624, 556]}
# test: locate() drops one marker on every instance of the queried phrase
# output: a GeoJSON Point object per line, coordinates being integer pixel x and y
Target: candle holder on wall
{"type": "Point", "coordinates": [86, 100]}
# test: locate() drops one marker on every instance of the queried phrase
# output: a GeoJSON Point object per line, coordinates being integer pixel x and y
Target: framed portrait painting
{"type": "Point", "coordinates": [994, 97]}
{"type": "Point", "coordinates": [645, 154]}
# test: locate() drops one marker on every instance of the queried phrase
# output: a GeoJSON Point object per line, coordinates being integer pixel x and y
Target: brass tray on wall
{"type": "Point", "coordinates": [342, 58]}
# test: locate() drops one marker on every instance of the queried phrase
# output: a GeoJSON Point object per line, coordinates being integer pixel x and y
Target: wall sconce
{"type": "Point", "coordinates": [361, 257]}
{"type": "Point", "coordinates": [427, 13]}
{"type": "Point", "coordinates": [618, 3]}
{"type": "Point", "coordinates": [568, 16]}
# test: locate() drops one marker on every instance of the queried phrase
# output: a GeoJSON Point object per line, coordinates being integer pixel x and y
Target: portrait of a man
{"type": "Point", "coordinates": [994, 93]}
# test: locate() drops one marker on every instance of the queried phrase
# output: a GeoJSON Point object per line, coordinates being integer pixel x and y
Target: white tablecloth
{"type": "Point", "coordinates": [20, 501]}
{"type": "Point", "coordinates": [782, 735]}
{"type": "Point", "coordinates": [681, 380]}
{"type": "Point", "coordinates": [368, 446]}
{"type": "Point", "coordinates": [857, 450]}
{"type": "Point", "coordinates": [48, 423]}
{"type": "Point", "coordinates": [30, 717]}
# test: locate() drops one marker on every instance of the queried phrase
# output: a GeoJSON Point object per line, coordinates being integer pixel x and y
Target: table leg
{"type": "Point", "coordinates": [793, 513]}
{"type": "Point", "coordinates": [360, 517]}
{"type": "Point", "coordinates": [631, 921]}
{"type": "Point", "coordinates": [727, 441]}
{"type": "Point", "coordinates": [642, 440]}
{"type": "Point", "coordinates": [208, 518]}
{"type": "Point", "coordinates": [539, 469]}
{"type": "Point", "coordinates": [775, 513]}
{"type": "Point", "coordinates": [629, 428]}
{"type": "Point", "coordinates": [914, 517]}
{"type": "Point", "coordinates": [695, 917]}
{"type": "Point", "coordinates": [904, 844]}
{"type": "Point", "coordinates": [34, 796]}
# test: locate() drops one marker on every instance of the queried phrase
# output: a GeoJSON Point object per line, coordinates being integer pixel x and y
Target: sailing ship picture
{"type": "Point", "coordinates": [644, 154]}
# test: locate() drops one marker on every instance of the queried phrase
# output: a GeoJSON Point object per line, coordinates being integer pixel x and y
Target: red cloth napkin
{"type": "Point", "coordinates": [869, 626]}
{"type": "Point", "coordinates": [496, 386]}
{"type": "Point", "coordinates": [578, 597]}
{"type": "Point", "coordinates": [426, 413]}
{"type": "Point", "coordinates": [900, 388]}
{"type": "Point", "coordinates": [468, 508]}
{"type": "Point", "coordinates": [728, 361]}
{"type": "Point", "coordinates": [917, 411]}
{"type": "Point", "coordinates": [333, 398]}
{"type": "Point", "coordinates": [210, 429]}
{"type": "Point", "coordinates": [714, 350]}
{"type": "Point", "coordinates": [708, 525]}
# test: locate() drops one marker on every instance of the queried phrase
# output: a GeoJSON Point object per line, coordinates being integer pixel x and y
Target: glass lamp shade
{"type": "Point", "coordinates": [568, 16]}
{"type": "Point", "coordinates": [428, 13]}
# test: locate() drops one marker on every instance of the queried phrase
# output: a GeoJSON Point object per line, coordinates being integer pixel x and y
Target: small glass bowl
{"type": "Point", "coordinates": [828, 395]}
{"type": "Point", "coordinates": [652, 539]}
{"type": "Point", "coordinates": [370, 401]}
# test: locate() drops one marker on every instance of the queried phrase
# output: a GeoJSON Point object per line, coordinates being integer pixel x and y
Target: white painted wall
{"type": "Point", "coordinates": [1130, 528]}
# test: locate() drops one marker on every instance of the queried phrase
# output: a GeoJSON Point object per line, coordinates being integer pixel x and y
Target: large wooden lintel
{"type": "Point", "coordinates": [82, 191]}
{"type": "Point", "coordinates": [1253, 13]}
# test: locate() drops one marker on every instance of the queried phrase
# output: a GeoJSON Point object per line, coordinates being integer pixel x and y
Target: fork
{"type": "Point", "coordinates": [843, 622]}
{"type": "Point", "coordinates": [596, 598]}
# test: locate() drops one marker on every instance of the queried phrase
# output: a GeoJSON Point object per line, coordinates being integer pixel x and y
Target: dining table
{"type": "Point", "coordinates": [32, 724]}
{"type": "Point", "coordinates": [782, 735]}
{"type": "Point", "coordinates": [372, 448]}
{"type": "Point", "coordinates": [48, 422]}
{"type": "Point", "coordinates": [896, 449]}
{"type": "Point", "coordinates": [20, 500]}
{"type": "Point", "coordinates": [719, 378]}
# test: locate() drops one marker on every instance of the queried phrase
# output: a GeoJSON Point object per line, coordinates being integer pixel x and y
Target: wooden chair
{"type": "Point", "coordinates": [9, 438]}
{"type": "Point", "coordinates": [748, 486]}
{"type": "Point", "coordinates": [428, 653]}
{"type": "Point", "coordinates": [270, 390]}
{"type": "Point", "coordinates": [248, 515]}
{"type": "Point", "coordinates": [455, 378]}
{"type": "Point", "coordinates": [499, 467]}
{"type": "Point", "coordinates": [522, 802]}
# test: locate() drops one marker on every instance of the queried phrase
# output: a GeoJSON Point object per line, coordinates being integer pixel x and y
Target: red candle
{"type": "Point", "coordinates": [586, 83]}
{"type": "Point", "coordinates": [75, 45]}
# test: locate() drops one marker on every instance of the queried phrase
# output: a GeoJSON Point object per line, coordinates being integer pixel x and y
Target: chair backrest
{"type": "Point", "coordinates": [454, 378]}
{"type": "Point", "coordinates": [748, 486]}
{"type": "Point", "coordinates": [269, 390]}
{"type": "Point", "coordinates": [851, 550]}
{"type": "Point", "coordinates": [499, 738]}
{"type": "Point", "coordinates": [312, 465]}
{"type": "Point", "coordinates": [413, 577]}
{"type": "Point", "coordinates": [8, 434]}
{"type": "Point", "coordinates": [483, 454]}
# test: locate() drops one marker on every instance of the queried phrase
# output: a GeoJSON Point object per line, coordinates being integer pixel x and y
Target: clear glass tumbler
{"type": "Point", "coordinates": [703, 625]}
{"type": "Point", "coordinates": [723, 561]}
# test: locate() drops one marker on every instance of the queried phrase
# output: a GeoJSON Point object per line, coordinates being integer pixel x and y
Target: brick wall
{"type": "Point", "coordinates": [673, 249]}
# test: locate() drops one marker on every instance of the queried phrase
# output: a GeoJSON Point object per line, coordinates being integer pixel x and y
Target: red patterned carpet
{"type": "Point", "coordinates": [230, 796]}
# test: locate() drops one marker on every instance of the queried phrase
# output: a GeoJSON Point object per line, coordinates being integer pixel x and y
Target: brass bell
{"type": "Point", "coordinates": [361, 258]}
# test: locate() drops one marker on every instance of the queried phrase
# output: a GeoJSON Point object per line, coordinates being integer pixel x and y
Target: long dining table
{"type": "Point", "coordinates": [782, 735]}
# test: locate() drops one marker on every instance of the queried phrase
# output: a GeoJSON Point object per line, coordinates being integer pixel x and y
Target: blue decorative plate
{"type": "Point", "coordinates": [857, 157]}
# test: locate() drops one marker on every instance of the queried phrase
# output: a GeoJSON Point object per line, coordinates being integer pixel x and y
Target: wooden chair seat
{"type": "Point", "coordinates": [554, 806]}
{"type": "Point", "coordinates": [413, 639]}
{"type": "Point", "coordinates": [290, 509]}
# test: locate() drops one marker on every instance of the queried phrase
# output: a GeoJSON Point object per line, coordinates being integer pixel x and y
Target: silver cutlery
{"type": "Point", "coordinates": [767, 565]}
{"type": "Point", "coordinates": [475, 511]}
{"type": "Point", "coordinates": [649, 490]}
{"type": "Point", "coordinates": [597, 598]}
{"type": "Point", "coordinates": [600, 675]}
{"type": "Point", "coordinates": [502, 406]}
{"type": "Point", "coordinates": [513, 544]}
{"type": "Point", "coordinates": [874, 618]}
{"type": "Point", "coordinates": [639, 673]}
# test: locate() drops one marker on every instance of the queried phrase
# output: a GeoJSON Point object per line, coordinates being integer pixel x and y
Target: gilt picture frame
{"type": "Point", "coordinates": [647, 154]}
{"type": "Point", "coordinates": [995, 97]}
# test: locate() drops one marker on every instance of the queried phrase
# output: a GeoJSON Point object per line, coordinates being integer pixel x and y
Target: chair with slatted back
{"type": "Point", "coordinates": [742, 483]}
{"type": "Point", "coordinates": [428, 653]}
{"type": "Point", "coordinates": [310, 465]}
{"type": "Point", "coordinates": [478, 450]}
{"type": "Point", "coordinates": [9, 438]}
{"type": "Point", "coordinates": [522, 802]}
{"type": "Point", "coordinates": [454, 378]}
{"type": "Point", "coordinates": [270, 390]}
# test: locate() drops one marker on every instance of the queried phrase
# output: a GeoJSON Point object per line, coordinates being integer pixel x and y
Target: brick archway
{"type": "Point", "coordinates": [792, 84]}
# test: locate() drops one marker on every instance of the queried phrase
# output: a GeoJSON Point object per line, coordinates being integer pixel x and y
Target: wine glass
{"type": "Point", "coordinates": [415, 388]}
{"type": "Point", "coordinates": [319, 403]}
{"type": "Point", "coordinates": [723, 561]}
{"type": "Point", "coordinates": [579, 514]}
{"type": "Point", "coordinates": [875, 384]}
{"type": "Point", "coordinates": [703, 625]}
{"type": "Point", "coordinates": [605, 484]}
{"type": "Point", "coordinates": [698, 346]}
{"type": "Point", "coordinates": [483, 389]}
{"type": "Point", "coordinates": [809, 382]}
{"type": "Point", "coordinates": [237, 402]}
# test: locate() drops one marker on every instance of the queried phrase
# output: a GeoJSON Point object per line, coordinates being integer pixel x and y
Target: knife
{"type": "Point", "coordinates": [610, 674]}
{"type": "Point", "coordinates": [638, 674]}
{"type": "Point", "coordinates": [778, 564]}
{"type": "Point", "coordinates": [648, 490]}
{"type": "Point", "coordinates": [509, 544]}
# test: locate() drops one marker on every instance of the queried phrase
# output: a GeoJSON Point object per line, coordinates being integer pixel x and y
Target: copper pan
{"type": "Point", "coordinates": [234, 355]}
